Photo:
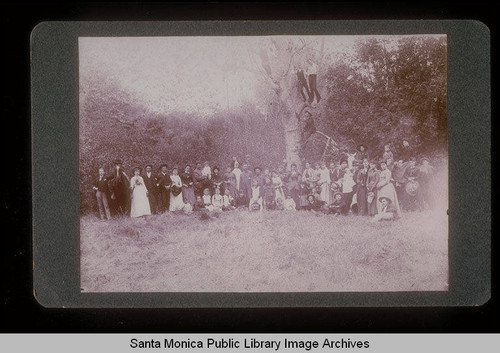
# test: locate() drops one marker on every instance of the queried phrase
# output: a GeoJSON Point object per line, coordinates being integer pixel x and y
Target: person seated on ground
{"type": "Point", "coordinates": [280, 204]}
{"type": "Point", "coordinates": [217, 201]}
{"type": "Point", "coordinates": [289, 204]}
{"type": "Point", "coordinates": [199, 205]}
{"type": "Point", "coordinates": [207, 199]}
{"type": "Point", "coordinates": [337, 205]}
{"type": "Point", "coordinates": [268, 194]}
{"type": "Point", "coordinates": [228, 203]}
{"type": "Point", "coordinates": [388, 211]}
{"type": "Point", "coordinates": [255, 196]}
{"type": "Point", "coordinates": [313, 204]}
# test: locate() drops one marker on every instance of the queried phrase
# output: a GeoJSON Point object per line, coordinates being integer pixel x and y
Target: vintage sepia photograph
{"type": "Point", "coordinates": [263, 163]}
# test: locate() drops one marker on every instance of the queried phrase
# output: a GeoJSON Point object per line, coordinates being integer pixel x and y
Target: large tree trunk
{"type": "Point", "coordinates": [292, 112]}
{"type": "Point", "coordinates": [292, 140]}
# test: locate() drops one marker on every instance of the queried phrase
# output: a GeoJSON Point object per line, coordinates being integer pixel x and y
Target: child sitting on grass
{"type": "Point", "coordinates": [387, 212]}
{"type": "Point", "coordinates": [289, 204]}
{"type": "Point", "coordinates": [256, 196]}
{"type": "Point", "coordinates": [217, 201]}
{"type": "Point", "coordinates": [199, 205]}
{"type": "Point", "coordinates": [207, 199]}
{"type": "Point", "coordinates": [337, 205]}
{"type": "Point", "coordinates": [313, 204]}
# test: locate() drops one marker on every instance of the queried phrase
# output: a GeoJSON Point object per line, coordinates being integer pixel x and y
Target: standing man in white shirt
{"type": "Point", "coordinates": [312, 73]}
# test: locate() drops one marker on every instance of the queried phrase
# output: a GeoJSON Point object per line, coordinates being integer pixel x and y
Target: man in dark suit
{"type": "Point", "coordinates": [101, 193]}
{"type": "Point", "coordinates": [163, 183]}
{"type": "Point", "coordinates": [150, 183]}
{"type": "Point", "coordinates": [119, 184]}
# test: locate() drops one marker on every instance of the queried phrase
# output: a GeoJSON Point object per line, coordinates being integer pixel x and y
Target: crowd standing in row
{"type": "Point", "coordinates": [367, 187]}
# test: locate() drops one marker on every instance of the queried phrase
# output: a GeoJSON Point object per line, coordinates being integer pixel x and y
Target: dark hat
{"type": "Point", "coordinates": [163, 165]}
{"type": "Point", "coordinates": [359, 147]}
{"type": "Point", "coordinates": [214, 168]}
{"type": "Point", "coordinates": [383, 197]}
{"type": "Point", "coordinates": [149, 165]}
{"type": "Point", "coordinates": [337, 193]}
{"type": "Point", "coordinates": [117, 161]}
{"type": "Point", "coordinates": [310, 196]}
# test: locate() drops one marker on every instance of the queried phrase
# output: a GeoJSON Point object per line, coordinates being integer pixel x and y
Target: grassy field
{"type": "Point", "coordinates": [275, 251]}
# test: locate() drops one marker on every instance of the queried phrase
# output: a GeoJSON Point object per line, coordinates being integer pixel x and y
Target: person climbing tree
{"type": "Point", "coordinates": [303, 85]}
{"type": "Point", "coordinates": [308, 126]}
{"type": "Point", "coordinates": [312, 72]}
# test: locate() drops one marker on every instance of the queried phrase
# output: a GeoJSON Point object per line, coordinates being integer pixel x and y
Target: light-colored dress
{"type": "Point", "coordinates": [237, 173]}
{"type": "Point", "coordinates": [140, 203]}
{"type": "Point", "coordinates": [324, 184]}
{"type": "Point", "coordinates": [176, 202]}
{"type": "Point", "coordinates": [386, 189]}
{"type": "Point", "coordinates": [278, 188]}
{"type": "Point", "coordinates": [217, 202]}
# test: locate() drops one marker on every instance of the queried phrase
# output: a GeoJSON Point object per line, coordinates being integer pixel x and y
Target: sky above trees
{"type": "Point", "coordinates": [200, 75]}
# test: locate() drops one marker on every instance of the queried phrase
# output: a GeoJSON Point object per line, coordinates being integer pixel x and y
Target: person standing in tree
{"type": "Point", "coordinates": [302, 84]}
{"type": "Point", "coordinates": [312, 73]}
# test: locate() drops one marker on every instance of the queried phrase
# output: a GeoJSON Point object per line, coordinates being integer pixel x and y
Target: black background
{"type": "Point", "coordinates": [19, 312]}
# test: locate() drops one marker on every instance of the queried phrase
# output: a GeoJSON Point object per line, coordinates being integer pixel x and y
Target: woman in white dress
{"type": "Point", "coordinates": [139, 196]}
{"type": "Point", "coordinates": [386, 189]}
{"type": "Point", "coordinates": [324, 183]}
{"type": "Point", "coordinates": [176, 201]}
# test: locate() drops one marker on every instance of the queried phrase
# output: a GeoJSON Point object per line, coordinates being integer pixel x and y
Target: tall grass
{"type": "Point", "coordinates": [274, 251]}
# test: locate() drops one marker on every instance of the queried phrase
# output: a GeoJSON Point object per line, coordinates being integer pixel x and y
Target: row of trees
{"type": "Point", "coordinates": [379, 93]}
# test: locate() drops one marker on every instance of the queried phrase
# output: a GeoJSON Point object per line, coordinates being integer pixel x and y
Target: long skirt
{"type": "Point", "coordinates": [139, 205]}
{"type": "Point", "coordinates": [388, 191]}
{"type": "Point", "coordinates": [362, 202]}
{"type": "Point", "coordinates": [372, 206]}
{"type": "Point", "coordinates": [176, 202]}
{"type": "Point", "coordinates": [324, 194]}
{"type": "Point", "coordinates": [188, 195]}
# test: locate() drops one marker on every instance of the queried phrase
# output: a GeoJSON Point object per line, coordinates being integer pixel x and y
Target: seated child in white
{"type": "Point", "coordinates": [217, 201]}
{"type": "Point", "coordinates": [256, 196]}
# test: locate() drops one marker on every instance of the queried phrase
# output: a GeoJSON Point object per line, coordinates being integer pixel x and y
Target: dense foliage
{"type": "Point", "coordinates": [377, 95]}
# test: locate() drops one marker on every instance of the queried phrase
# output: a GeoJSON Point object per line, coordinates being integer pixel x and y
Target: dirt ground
{"type": "Point", "coordinates": [270, 252]}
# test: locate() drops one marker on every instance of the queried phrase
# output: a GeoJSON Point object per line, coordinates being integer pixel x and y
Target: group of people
{"type": "Point", "coordinates": [360, 185]}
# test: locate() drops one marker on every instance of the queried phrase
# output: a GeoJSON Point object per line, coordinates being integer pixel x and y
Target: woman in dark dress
{"type": "Point", "coordinates": [362, 191]}
{"type": "Point", "coordinates": [217, 181]}
{"type": "Point", "coordinates": [187, 186]}
{"type": "Point", "coordinates": [372, 179]}
{"type": "Point", "coordinates": [293, 184]}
